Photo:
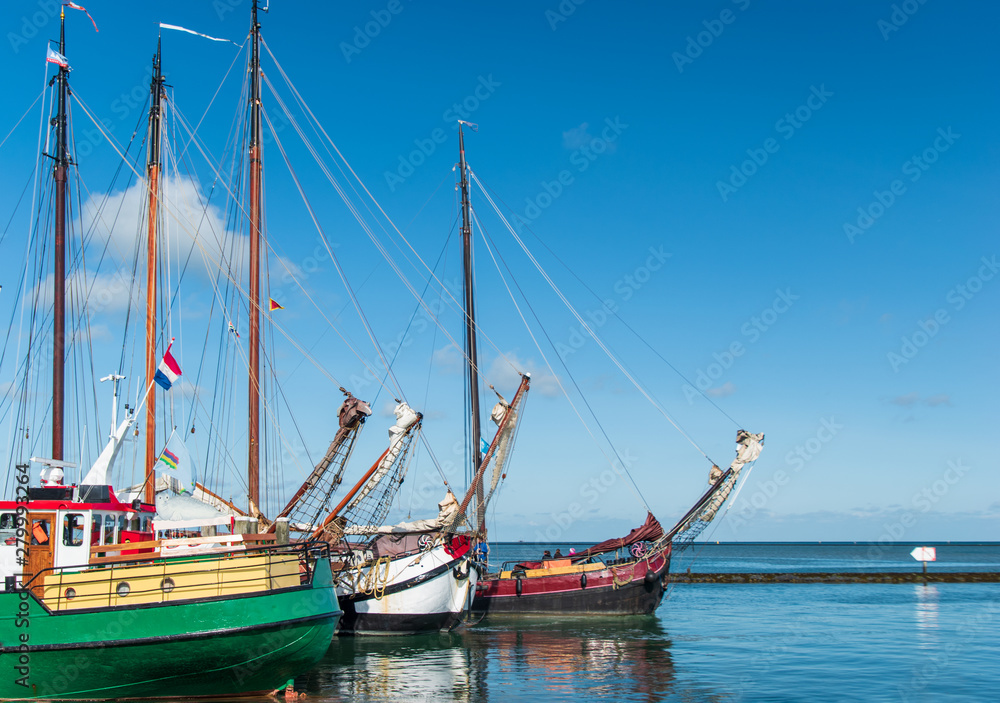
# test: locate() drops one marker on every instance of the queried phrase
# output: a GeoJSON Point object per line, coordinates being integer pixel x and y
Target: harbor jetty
{"type": "Point", "coordinates": [840, 577]}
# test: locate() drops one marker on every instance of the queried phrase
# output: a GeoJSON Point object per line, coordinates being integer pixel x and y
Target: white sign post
{"type": "Point", "coordinates": [924, 555]}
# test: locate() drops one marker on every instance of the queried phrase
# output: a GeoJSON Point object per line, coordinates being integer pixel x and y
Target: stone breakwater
{"type": "Point", "coordinates": [841, 577]}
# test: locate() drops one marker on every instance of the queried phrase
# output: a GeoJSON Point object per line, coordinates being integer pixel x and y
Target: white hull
{"type": "Point", "coordinates": [412, 593]}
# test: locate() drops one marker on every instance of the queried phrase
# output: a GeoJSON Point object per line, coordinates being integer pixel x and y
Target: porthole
{"type": "Point", "coordinates": [123, 589]}
{"type": "Point", "coordinates": [167, 584]}
{"type": "Point", "coordinates": [70, 593]}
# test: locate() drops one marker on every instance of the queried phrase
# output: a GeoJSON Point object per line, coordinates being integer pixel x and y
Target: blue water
{"type": "Point", "coordinates": [711, 642]}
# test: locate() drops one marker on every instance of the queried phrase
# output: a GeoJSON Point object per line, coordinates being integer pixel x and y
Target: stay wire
{"type": "Point", "coordinates": [635, 488]}
{"type": "Point", "coordinates": [616, 315]}
{"type": "Point", "coordinates": [588, 328]}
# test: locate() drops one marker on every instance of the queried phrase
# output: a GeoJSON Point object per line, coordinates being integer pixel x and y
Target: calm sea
{"type": "Point", "coordinates": [712, 642]}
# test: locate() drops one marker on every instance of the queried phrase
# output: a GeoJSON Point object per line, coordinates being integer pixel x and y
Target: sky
{"type": "Point", "coordinates": [793, 204]}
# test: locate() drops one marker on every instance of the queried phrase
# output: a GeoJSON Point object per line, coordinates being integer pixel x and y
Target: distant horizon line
{"type": "Point", "coordinates": [838, 543]}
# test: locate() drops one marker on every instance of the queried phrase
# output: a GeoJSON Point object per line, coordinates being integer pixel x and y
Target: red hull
{"type": "Point", "coordinates": [632, 588]}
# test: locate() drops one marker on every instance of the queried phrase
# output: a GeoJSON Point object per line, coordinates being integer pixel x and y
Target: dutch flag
{"type": "Point", "coordinates": [168, 371]}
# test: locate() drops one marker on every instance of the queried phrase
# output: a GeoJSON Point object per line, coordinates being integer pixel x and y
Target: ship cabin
{"type": "Point", "coordinates": [57, 526]}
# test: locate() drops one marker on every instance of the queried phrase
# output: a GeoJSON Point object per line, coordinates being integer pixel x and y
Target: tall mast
{"type": "Point", "coordinates": [253, 477]}
{"type": "Point", "coordinates": [470, 325]}
{"type": "Point", "coordinates": [59, 299]}
{"type": "Point", "coordinates": [153, 173]}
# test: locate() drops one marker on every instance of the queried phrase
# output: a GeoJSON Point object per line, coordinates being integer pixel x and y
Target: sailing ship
{"type": "Point", "coordinates": [93, 606]}
{"type": "Point", "coordinates": [601, 579]}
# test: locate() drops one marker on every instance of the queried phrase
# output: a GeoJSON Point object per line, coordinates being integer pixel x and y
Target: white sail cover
{"type": "Point", "coordinates": [173, 507]}
{"type": "Point", "coordinates": [405, 419]}
{"type": "Point", "coordinates": [447, 510]}
{"type": "Point", "coordinates": [98, 474]}
{"type": "Point", "coordinates": [748, 448]}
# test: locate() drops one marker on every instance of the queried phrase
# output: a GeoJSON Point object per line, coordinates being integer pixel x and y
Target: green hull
{"type": "Point", "coordinates": [212, 646]}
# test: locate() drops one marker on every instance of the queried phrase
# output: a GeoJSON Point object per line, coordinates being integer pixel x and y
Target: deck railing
{"type": "Point", "coordinates": [152, 577]}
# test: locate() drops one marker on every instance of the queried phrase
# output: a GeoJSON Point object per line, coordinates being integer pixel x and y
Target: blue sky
{"type": "Point", "coordinates": [794, 202]}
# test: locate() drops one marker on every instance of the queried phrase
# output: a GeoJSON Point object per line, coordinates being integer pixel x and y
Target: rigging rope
{"type": "Point", "coordinates": [614, 466]}
{"type": "Point", "coordinates": [614, 313]}
{"type": "Point", "coordinates": [586, 326]}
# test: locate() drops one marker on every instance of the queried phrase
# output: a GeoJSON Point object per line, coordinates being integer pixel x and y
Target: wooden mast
{"type": "Point", "coordinates": [253, 434]}
{"type": "Point", "coordinates": [153, 173]}
{"type": "Point", "coordinates": [59, 273]}
{"type": "Point", "coordinates": [471, 345]}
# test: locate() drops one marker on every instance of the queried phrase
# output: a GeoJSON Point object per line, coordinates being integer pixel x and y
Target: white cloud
{"type": "Point", "coordinates": [577, 137]}
{"type": "Point", "coordinates": [187, 223]}
{"type": "Point", "coordinates": [726, 389]}
{"type": "Point", "coordinates": [907, 400]}
{"type": "Point", "coordinates": [448, 360]}
{"type": "Point", "coordinates": [503, 375]}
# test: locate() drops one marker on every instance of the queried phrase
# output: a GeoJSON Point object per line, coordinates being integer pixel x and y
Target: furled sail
{"type": "Point", "coordinates": [365, 507]}
{"type": "Point", "coordinates": [491, 470]}
{"type": "Point", "coordinates": [447, 509]}
{"type": "Point", "coordinates": [313, 497]}
{"type": "Point", "coordinates": [748, 448]}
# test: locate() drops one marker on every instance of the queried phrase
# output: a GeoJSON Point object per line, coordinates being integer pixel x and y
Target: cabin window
{"type": "Point", "coordinates": [145, 523]}
{"type": "Point", "coordinates": [122, 525]}
{"type": "Point", "coordinates": [109, 529]}
{"type": "Point", "coordinates": [73, 530]}
{"type": "Point", "coordinates": [8, 528]}
{"type": "Point", "coordinates": [40, 531]}
{"type": "Point", "coordinates": [95, 529]}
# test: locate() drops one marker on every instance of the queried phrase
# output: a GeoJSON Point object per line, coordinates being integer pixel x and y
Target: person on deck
{"type": "Point", "coordinates": [558, 554]}
{"type": "Point", "coordinates": [546, 554]}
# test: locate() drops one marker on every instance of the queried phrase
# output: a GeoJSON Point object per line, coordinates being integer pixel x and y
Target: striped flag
{"type": "Point", "coordinates": [178, 463]}
{"type": "Point", "coordinates": [74, 6]}
{"type": "Point", "coordinates": [169, 371]}
{"type": "Point", "coordinates": [169, 458]}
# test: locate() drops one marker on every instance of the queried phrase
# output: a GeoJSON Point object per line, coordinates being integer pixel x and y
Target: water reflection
{"type": "Point", "coordinates": [415, 668]}
{"type": "Point", "coordinates": [624, 659]}
{"type": "Point", "coordinates": [926, 614]}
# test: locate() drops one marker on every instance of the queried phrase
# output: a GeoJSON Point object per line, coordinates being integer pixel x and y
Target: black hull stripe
{"type": "Point", "coordinates": [361, 624]}
{"type": "Point", "coordinates": [405, 585]}
{"type": "Point", "coordinates": [162, 639]}
{"type": "Point", "coordinates": [170, 603]}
